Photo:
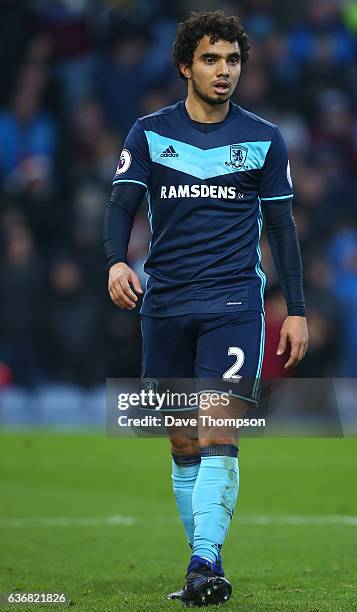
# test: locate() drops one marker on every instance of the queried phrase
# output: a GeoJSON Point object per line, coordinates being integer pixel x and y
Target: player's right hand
{"type": "Point", "coordinates": [122, 284]}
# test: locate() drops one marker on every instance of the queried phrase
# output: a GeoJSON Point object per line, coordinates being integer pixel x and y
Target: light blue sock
{"type": "Point", "coordinates": [214, 499]}
{"type": "Point", "coordinates": [184, 474]}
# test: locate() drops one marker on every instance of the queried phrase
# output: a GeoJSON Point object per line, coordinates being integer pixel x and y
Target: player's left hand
{"type": "Point", "coordinates": [294, 329]}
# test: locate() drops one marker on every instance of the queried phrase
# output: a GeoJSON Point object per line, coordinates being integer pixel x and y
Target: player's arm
{"type": "Point", "coordinates": [284, 245]}
{"type": "Point", "coordinates": [276, 193]}
{"type": "Point", "coordinates": [130, 184]}
{"type": "Point", "coordinates": [123, 283]}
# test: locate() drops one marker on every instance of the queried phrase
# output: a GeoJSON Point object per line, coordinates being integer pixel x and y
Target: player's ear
{"type": "Point", "coordinates": [185, 70]}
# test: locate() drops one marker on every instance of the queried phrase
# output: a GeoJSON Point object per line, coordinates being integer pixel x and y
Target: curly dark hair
{"type": "Point", "coordinates": [214, 24]}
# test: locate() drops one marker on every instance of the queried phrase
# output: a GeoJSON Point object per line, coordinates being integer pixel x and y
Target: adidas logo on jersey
{"type": "Point", "coordinates": [169, 152]}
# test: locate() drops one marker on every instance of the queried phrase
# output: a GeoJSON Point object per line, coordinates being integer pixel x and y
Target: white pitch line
{"type": "Point", "coordinates": [129, 521]}
{"type": "Point", "coordinates": [69, 521]}
{"type": "Point", "coordinates": [300, 519]}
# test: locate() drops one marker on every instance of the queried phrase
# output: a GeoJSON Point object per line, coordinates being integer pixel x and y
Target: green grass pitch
{"type": "Point", "coordinates": [288, 547]}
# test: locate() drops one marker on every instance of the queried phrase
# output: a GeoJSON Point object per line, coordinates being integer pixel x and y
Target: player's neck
{"type": "Point", "coordinates": [199, 110]}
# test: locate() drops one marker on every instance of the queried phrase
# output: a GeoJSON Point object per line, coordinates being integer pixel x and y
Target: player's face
{"type": "Point", "coordinates": [215, 70]}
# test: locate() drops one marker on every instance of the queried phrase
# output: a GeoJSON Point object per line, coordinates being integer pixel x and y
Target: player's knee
{"type": "Point", "coordinates": [183, 445]}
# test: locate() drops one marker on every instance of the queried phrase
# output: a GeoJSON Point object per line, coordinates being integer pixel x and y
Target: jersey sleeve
{"type": "Point", "coordinates": [275, 180]}
{"type": "Point", "coordinates": [134, 163]}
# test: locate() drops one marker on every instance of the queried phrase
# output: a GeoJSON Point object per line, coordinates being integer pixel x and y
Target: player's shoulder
{"type": "Point", "coordinates": [257, 123]}
{"type": "Point", "coordinates": [159, 115]}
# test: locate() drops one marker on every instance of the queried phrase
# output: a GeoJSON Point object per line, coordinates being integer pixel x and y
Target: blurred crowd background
{"type": "Point", "coordinates": [74, 76]}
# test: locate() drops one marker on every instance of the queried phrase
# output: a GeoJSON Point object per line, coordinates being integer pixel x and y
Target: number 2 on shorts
{"type": "Point", "coordinates": [232, 372]}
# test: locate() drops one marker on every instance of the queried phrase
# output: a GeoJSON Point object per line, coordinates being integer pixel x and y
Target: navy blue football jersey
{"type": "Point", "coordinates": [206, 184]}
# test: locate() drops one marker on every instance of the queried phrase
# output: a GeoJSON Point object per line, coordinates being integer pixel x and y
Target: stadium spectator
{"type": "Point", "coordinates": [343, 261]}
{"type": "Point", "coordinates": [28, 140]}
{"type": "Point", "coordinates": [20, 288]}
{"type": "Point", "coordinates": [70, 325]}
{"type": "Point", "coordinates": [131, 67]}
{"type": "Point", "coordinates": [67, 25]}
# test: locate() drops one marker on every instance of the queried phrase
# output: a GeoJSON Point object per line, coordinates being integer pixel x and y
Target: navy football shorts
{"type": "Point", "coordinates": [222, 352]}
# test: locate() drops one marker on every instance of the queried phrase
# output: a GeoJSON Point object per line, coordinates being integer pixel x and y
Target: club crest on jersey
{"type": "Point", "coordinates": [238, 155]}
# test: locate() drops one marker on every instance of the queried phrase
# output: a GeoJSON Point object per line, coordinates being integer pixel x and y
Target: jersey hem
{"type": "Point", "coordinates": [165, 315]}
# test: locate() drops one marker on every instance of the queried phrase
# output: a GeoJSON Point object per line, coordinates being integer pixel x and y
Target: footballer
{"type": "Point", "coordinates": [211, 172]}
